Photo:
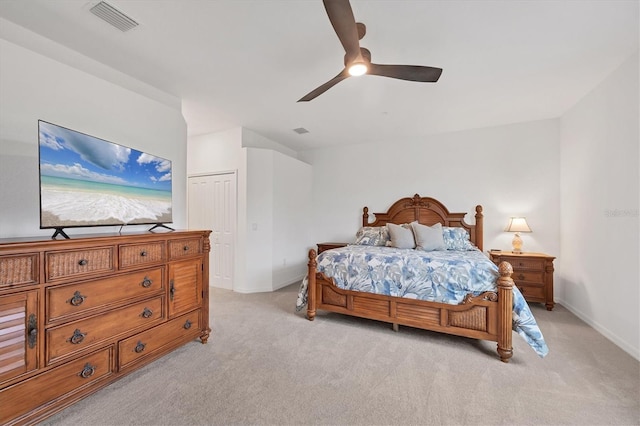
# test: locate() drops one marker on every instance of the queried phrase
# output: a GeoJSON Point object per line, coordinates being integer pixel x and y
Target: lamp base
{"type": "Point", "coordinates": [517, 244]}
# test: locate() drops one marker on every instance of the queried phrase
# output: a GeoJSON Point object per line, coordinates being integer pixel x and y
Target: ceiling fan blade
{"type": "Point", "coordinates": [328, 85]}
{"type": "Point", "coordinates": [344, 24]}
{"type": "Point", "coordinates": [406, 72]}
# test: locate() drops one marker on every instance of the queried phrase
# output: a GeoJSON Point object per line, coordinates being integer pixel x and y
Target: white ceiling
{"type": "Point", "coordinates": [246, 62]}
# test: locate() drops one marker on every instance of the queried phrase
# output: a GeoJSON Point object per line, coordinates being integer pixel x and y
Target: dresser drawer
{"type": "Point", "coordinates": [19, 270]}
{"type": "Point", "coordinates": [55, 383]}
{"type": "Point", "coordinates": [140, 254]}
{"type": "Point", "coordinates": [72, 299]}
{"type": "Point", "coordinates": [79, 335]}
{"type": "Point", "coordinates": [148, 342]}
{"type": "Point", "coordinates": [74, 263]}
{"type": "Point", "coordinates": [187, 247]}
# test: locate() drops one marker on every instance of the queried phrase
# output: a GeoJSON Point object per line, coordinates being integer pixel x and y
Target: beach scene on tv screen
{"type": "Point", "coordinates": [87, 181]}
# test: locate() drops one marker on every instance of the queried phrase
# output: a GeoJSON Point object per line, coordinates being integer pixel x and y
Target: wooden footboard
{"type": "Point", "coordinates": [486, 317]}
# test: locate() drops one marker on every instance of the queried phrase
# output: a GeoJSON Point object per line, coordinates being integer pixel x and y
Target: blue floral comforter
{"type": "Point", "coordinates": [439, 276]}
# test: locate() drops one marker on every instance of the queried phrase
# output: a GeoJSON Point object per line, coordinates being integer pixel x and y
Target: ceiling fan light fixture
{"type": "Point", "coordinates": [357, 69]}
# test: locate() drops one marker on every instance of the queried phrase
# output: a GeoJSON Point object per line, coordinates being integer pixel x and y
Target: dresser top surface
{"type": "Point", "coordinates": [105, 238]}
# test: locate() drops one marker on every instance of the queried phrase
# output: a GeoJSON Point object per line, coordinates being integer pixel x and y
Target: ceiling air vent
{"type": "Point", "coordinates": [113, 16]}
{"type": "Point", "coordinates": [301, 130]}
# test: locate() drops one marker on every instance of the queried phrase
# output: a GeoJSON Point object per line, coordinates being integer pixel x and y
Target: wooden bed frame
{"type": "Point", "coordinates": [486, 316]}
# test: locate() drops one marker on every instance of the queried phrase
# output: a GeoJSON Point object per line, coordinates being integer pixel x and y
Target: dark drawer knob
{"type": "Point", "coordinates": [83, 262]}
{"type": "Point", "coordinates": [520, 264]}
{"type": "Point", "coordinates": [521, 277]}
{"type": "Point", "coordinates": [147, 313]}
{"type": "Point", "coordinates": [185, 248]}
{"type": "Point", "coordinates": [146, 283]}
{"type": "Point", "coordinates": [87, 371]}
{"type": "Point", "coordinates": [139, 347]}
{"type": "Point", "coordinates": [143, 253]}
{"type": "Point", "coordinates": [77, 337]}
{"type": "Point", "coordinates": [187, 325]}
{"type": "Point", "coordinates": [77, 299]}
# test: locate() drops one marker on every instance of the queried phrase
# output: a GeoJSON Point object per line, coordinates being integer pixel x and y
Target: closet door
{"type": "Point", "coordinates": [212, 205]}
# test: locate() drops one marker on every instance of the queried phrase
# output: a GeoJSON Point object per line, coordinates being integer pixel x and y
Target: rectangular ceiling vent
{"type": "Point", "coordinates": [301, 130]}
{"type": "Point", "coordinates": [113, 16]}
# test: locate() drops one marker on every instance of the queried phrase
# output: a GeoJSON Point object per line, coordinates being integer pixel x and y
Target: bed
{"type": "Point", "coordinates": [482, 303]}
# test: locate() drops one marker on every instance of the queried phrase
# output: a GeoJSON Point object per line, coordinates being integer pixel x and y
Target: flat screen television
{"type": "Point", "coordinates": [87, 181]}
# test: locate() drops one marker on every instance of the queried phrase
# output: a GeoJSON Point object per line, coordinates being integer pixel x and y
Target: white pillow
{"type": "Point", "coordinates": [428, 238]}
{"type": "Point", "coordinates": [401, 236]}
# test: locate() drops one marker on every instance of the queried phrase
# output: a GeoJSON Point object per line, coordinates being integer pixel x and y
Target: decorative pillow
{"type": "Point", "coordinates": [456, 238]}
{"type": "Point", "coordinates": [401, 236]}
{"type": "Point", "coordinates": [428, 238]}
{"type": "Point", "coordinates": [372, 236]}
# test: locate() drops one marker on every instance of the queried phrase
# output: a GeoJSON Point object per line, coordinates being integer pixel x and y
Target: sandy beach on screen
{"type": "Point", "coordinates": [76, 208]}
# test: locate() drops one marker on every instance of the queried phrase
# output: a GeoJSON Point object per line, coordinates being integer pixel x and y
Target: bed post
{"type": "Point", "coordinates": [479, 230]}
{"type": "Point", "coordinates": [365, 216]}
{"type": "Point", "coordinates": [311, 286]}
{"type": "Point", "coordinates": [505, 309]}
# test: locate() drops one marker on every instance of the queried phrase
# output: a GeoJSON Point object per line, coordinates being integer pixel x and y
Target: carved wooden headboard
{"type": "Point", "coordinates": [427, 211]}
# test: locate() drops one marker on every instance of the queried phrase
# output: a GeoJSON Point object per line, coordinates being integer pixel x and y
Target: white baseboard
{"type": "Point", "coordinates": [288, 282]}
{"type": "Point", "coordinates": [634, 352]}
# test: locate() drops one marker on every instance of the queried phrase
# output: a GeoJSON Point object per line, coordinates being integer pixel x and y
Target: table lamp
{"type": "Point", "coordinates": [517, 225]}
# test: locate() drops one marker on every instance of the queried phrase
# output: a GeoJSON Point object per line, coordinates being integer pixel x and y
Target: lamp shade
{"type": "Point", "coordinates": [518, 224]}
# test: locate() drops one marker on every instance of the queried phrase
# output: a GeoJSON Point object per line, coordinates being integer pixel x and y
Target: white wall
{"type": "Point", "coordinates": [599, 277]}
{"type": "Point", "coordinates": [271, 225]}
{"type": "Point", "coordinates": [510, 170]}
{"type": "Point", "coordinates": [292, 182]}
{"type": "Point", "coordinates": [32, 87]}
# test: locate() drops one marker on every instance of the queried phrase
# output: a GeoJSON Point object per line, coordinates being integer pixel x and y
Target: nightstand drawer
{"type": "Point", "coordinates": [529, 276]}
{"type": "Point", "coordinates": [532, 293]}
{"type": "Point", "coordinates": [531, 264]}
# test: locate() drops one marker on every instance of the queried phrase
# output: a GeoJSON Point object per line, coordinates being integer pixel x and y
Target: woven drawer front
{"type": "Point", "coordinates": [79, 335]}
{"type": "Point", "coordinates": [532, 264]}
{"type": "Point", "coordinates": [54, 383]}
{"type": "Point", "coordinates": [146, 343]}
{"type": "Point", "coordinates": [139, 254]}
{"type": "Point", "coordinates": [180, 248]}
{"type": "Point", "coordinates": [78, 262]}
{"type": "Point", "coordinates": [74, 299]}
{"type": "Point", "coordinates": [22, 269]}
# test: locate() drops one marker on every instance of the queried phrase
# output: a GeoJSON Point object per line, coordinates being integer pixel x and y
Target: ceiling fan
{"type": "Point", "coordinates": [357, 60]}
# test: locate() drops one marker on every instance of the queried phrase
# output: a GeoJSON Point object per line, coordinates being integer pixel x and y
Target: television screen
{"type": "Point", "coordinates": [87, 181]}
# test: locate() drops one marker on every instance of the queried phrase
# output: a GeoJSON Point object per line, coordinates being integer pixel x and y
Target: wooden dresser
{"type": "Point", "coordinates": [532, 274]}
{"type": "Point", "coordinates": [76, 315]}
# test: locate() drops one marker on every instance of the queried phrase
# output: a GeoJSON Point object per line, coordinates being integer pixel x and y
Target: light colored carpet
{"type": "Point", "coordinates": [267, 365]}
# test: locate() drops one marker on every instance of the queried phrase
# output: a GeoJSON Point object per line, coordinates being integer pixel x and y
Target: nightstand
{"type": "Point", "coordinates": [326, 246]}
{"type": "Point", "coordinates": [532, 274]}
